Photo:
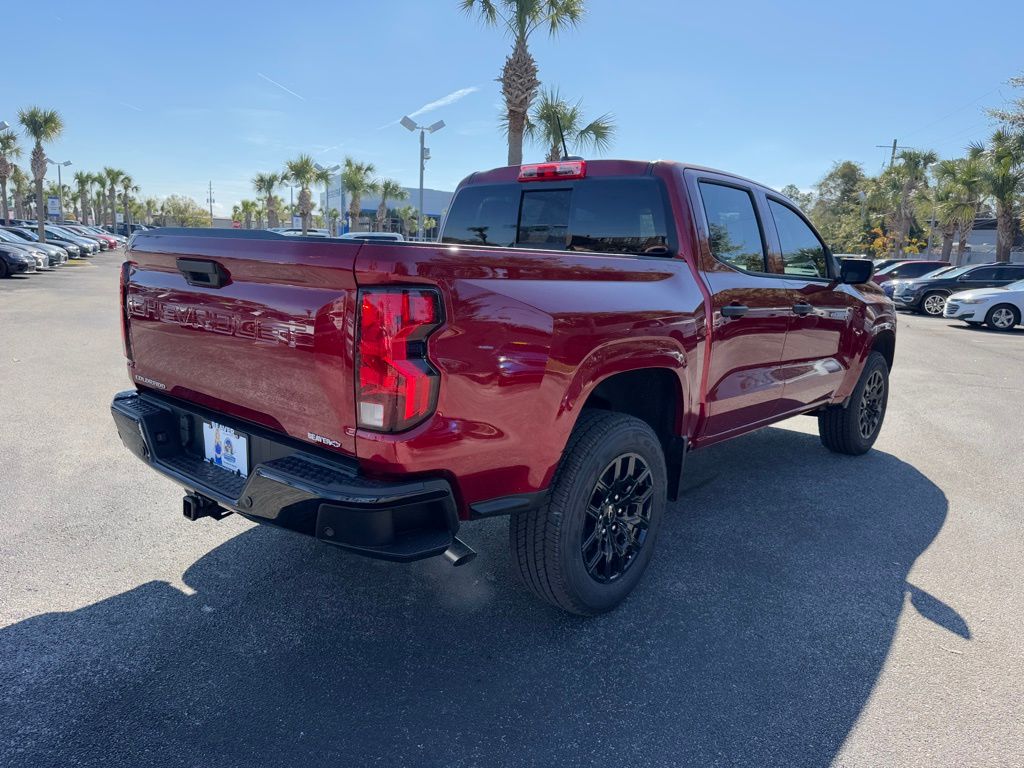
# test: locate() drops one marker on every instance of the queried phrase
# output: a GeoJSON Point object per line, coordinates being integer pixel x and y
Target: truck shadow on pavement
{"type": "Point", "coordinates": [755, 639]}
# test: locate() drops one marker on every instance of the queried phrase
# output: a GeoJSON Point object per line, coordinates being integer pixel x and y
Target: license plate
{"type": "Point", "coordinates": [226, 448]}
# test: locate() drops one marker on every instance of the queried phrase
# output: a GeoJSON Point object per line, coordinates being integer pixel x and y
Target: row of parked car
{"type": "Point", "coordinates": [22, 251]}
{"type": "Point", "coordinates": [989, 294]}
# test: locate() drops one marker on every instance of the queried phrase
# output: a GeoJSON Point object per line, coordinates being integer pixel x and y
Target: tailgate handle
{"type": "Point", "coordinates": [200, 272]}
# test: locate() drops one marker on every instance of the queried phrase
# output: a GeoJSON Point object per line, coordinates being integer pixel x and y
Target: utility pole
{"type": "Point", "coordinates": [209, 199]}
{"type": "Point", "coordinates": [892, 150]}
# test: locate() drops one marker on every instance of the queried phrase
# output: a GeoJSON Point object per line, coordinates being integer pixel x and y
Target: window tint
{"type": "Point", "coordinates": [913, 270]}
{"type": "Point", "coordinates": [484, 215]}
{"type": "Point", "coordinates": [1010, 273]}
{"type": "Point", "coordinates": [619, 216]}
{"type": "Point", "coordinates": [622, 215]}
{"type": "Point", "coordinates": [802, 252]}
{"type": "Point", "coordinates": [985, 273]}
{"type": "Point", "coordinates": [544, 219]}
{"type": "Point", "coordinates": [734, 234]}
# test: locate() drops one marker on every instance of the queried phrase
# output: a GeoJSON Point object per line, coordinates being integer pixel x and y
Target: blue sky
{"type": "Point", "coordinates": [180, 94]}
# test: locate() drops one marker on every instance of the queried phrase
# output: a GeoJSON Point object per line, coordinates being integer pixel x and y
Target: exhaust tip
{"type": "Point", "coordinates": [459, 553]}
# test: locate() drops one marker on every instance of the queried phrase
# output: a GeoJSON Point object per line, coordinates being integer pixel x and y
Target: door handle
{"type": "Point", "coordinates": [734, 310]}
{"type": "Point", "coordinates": [200, 272]}
{"type": "Point", "coordinates": [803, 308]}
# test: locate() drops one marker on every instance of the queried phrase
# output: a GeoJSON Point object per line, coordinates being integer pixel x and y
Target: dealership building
{"type": "Point", "coordinates": [435, 204]}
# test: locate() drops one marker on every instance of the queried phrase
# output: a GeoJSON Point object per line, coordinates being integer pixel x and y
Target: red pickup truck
{"type": "Point", "coordinates": [578, 328]}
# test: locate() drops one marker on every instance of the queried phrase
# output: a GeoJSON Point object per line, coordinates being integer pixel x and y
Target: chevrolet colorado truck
{"type": "Point", "coordinates": [578, 328]}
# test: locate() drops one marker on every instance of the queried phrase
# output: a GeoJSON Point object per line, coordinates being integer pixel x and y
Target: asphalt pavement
{"type": "Point", "coordinates": [803, 609]}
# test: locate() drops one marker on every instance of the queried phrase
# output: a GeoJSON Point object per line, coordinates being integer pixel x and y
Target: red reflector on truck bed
{"type": "Point", "coordinates": [566, 169]}
{"type": "Point", "coordinates": [397, 386]}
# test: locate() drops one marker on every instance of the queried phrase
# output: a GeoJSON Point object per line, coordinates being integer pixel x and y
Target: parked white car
{"type": "Point", "coordinates": [998, 308]}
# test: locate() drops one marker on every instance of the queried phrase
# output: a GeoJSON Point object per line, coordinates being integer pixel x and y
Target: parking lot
{"type": "Point", "coordinates": [803, 609]}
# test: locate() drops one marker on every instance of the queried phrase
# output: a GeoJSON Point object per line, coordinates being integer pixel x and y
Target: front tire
{"type": "Point", "coordinates": [586, 548]}
{"type": "Point", "coordinates": [854, 428]}
{"type": "Point", "coordinates": [933, 304]}
{"type": "Point", "coordinates": [1002, 317]}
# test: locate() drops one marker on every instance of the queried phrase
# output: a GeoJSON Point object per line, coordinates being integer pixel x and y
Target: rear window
{"type": "Point", "coordinates": [620, 215]}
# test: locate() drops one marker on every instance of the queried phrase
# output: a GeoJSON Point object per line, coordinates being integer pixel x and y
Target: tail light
{"type": "Point", "coordinates": [566, 169]}
{"type": "Point", "coordinates": [126, 338]}
{"type": "Point", "coordinates": [397, 386]}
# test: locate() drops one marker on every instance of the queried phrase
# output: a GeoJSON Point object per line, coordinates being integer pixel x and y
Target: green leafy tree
{"type": "Point", "coordinates": [554, 117]}
{"type": "Point", "coordinates": [519, 19]}
{"type": "Point", "coordinates": [803, 200]}
{"type": "Point", "coordinates": [390, 189]}
{"type": "Point", "coordinates": [1013, 116]}
{"type": "Point", "coordinates": [358, 180]}
{"type": "Point", "coordinates": [184, 211]}
{"type": "Point", "coordinates": [1002, 179]}
{"type": "Point", "coordinates": [83, 183]}
{"type": "Point", "coordinates": [42, 126]}
{"type": "Point", "coordinates": [9, 151]}
{"type": "Point", "coordinates": [265, 184]}
{"type": "Point", "coordinates": [839, 207]}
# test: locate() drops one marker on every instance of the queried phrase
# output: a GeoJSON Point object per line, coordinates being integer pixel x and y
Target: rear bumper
{"type": "Point", "coordinates": [290, 486]}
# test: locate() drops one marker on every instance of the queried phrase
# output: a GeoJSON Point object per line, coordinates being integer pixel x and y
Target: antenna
{"type": "Point", "coordinates": [561, 133]}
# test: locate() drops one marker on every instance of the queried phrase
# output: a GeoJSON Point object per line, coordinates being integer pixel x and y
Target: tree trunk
{"type": "Point", "coordinates": [355, 208]}
{"type": "Point", "coordinates": [961, 246]}
{"type": "Point", "coordinates": [554, 154]}
{"type": "Point", "coordinates": [382, 214]}
{"type": "Point", "coordinates": [519, 85]}
{"type": "Point", "coordinates": [3, 198]}
{"type": "Point", "coordinates": [948, 233]}
{"type": "Point", "coordinates": [1004, 231]}
{"type": "Point", "coordinates": [272, 220]}
{"type": "Point", "coordinates": [305, 208]}
{"type": "Point", "coordinates": [112, 204]}
{"type": "Point", "coordinates": [39, 172]}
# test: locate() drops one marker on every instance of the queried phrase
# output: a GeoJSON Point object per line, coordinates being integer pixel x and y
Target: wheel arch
{"type": "Point", "coordinates": [655, 396]}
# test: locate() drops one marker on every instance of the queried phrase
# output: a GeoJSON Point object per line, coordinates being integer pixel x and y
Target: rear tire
{"type": "Point", "coordinates": [853, 429]}
{"type": "Point", "coordinates": [580, 550]}
{"type": "Point", "coordinates": [3, 269]}
{"type": "Point", "coordinates": [1002, 317]}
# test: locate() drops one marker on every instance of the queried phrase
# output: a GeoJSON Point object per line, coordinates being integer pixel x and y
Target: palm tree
{"type": "Point", "coordinates": [9, 150]}
{"type": "Point", "coordinates": [111, 177]}
{"type": "Point", "coordinates": [19, 180]}
{"type": "Point", "coordinates": [554, 117]}
{"type": "Point", "coordinates": [150, 205]}
{"type": "Point", "coordinates": [358, 179]}
{"type": "Point", "coordinates": [519, 84]}
{"type": "Point", "coordinates": [390, 189]}
{"type": "Point", "coordinates": [43, 125]}
{"type": "Point", "coordinates": [128, 186]}
{"type": "Point", "coordinates": [99, 198]}
{"type": "Point", "coordinates": [302, 171]}
{"type": "Point", "coordinates": [911, 176]}
{"type": "Point", "coordinates": [957, 198]}
{"type": "Point", "coordinates": [83, 181]}
{"type": "Point", "coordinates": [248, 208]}
{"type": "Point", "coordinates": [409, 217]}
{"type": "Point", "coordinates": [1002, 179]}
{"type": "Point", "coordinates": [265, 184]}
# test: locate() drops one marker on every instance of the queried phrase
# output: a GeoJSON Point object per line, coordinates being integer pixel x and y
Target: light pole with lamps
{"type": "Point", "coordinates": [327, 189]}
{"type": "Point", "coordinates": [60, 183]}
{"type": "Point", "coordinates": [409, 124]}
{"type": "Point", "coordinates": [4, 125]}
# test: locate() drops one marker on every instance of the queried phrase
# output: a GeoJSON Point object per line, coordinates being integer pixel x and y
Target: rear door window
{"type": "Point", "coordinates": [1010, 273]}
{"type": "Point", "coordinates": [625, 215]}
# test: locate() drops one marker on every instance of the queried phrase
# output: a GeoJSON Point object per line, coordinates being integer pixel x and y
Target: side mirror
{"type": "Point", "coordinates": [855, 271]}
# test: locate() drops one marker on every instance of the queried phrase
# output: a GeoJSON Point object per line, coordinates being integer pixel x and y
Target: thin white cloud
{"type": "Point", "coordinates": [283, 88]}
{"type": "Point", "coordinates": [130, 106]}
{"type": "Point", "coordinates": [444, 101]}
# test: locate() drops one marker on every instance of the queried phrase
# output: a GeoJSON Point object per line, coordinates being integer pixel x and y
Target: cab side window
{"type": "Point", "coordinates": [734, 232]}
{"type": "Point", "coordinates": [985, 273]}
{"type": "Point", "coordinates": [803, 253]}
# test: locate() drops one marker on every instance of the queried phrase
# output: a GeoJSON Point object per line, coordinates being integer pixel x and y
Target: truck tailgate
{"type": "Point", "coordinates": [259, 329]}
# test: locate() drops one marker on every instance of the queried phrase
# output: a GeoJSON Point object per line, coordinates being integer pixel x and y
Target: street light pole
{"type": "Point", "coordinates": [60, 184]}
{"type": "Point", "coordinates": [409, 124]}
{"type": "Point", "coordinates": [209, 199]}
